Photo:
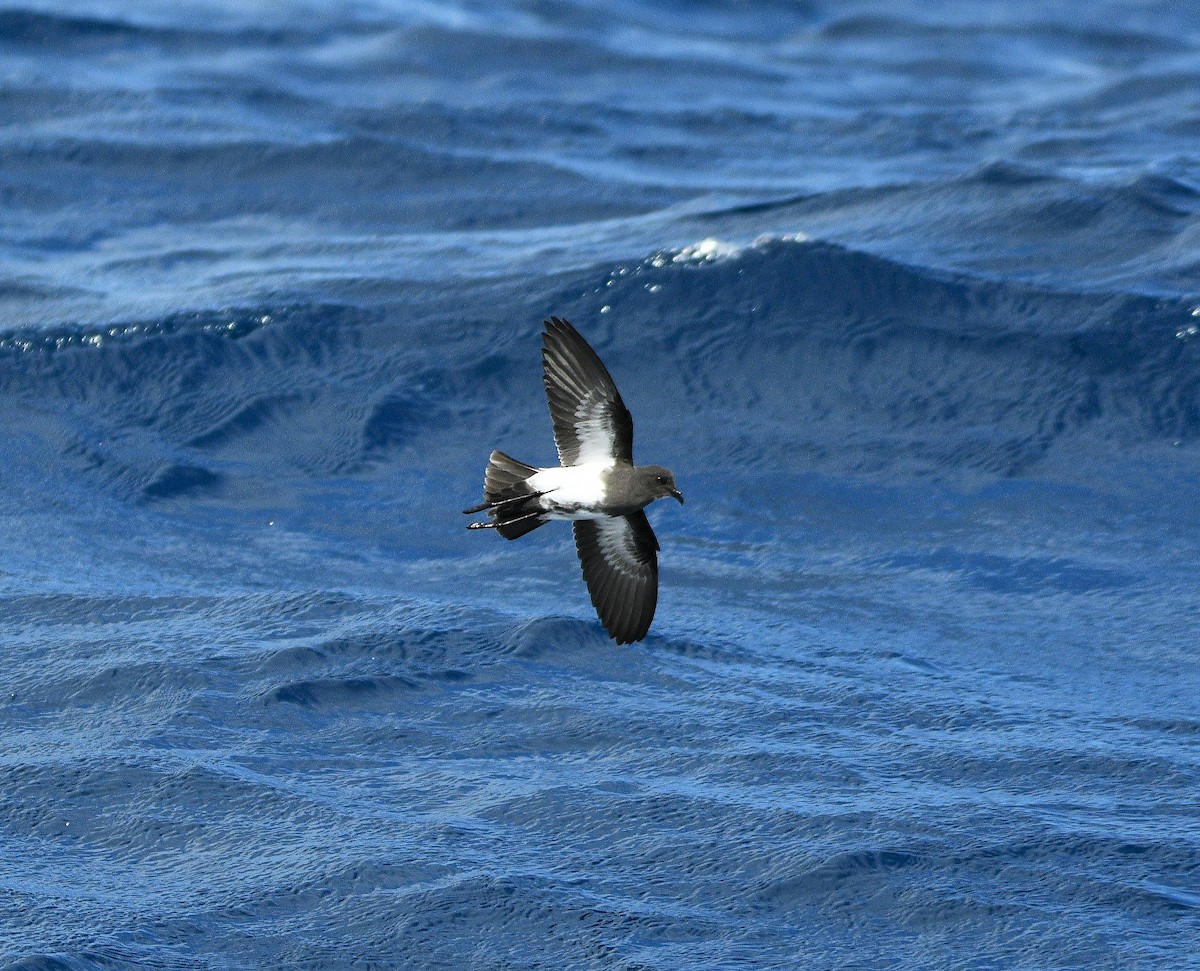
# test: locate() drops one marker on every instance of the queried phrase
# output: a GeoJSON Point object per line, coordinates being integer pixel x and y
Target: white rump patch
{"type": "Point", "coordinates": [573, 491]}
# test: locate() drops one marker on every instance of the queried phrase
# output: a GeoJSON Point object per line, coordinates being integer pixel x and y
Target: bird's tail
{"type": "Point", "coordinates": [510, 502]}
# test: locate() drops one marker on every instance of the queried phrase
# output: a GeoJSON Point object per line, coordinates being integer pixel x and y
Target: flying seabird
{"type": "Point", "coordinates": [597, 487]}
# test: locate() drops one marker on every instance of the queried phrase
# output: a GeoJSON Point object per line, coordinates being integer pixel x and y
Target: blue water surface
{"type": "Point", "coordinates": [905, 293]}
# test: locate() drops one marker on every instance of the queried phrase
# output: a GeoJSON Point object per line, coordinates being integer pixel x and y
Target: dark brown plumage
{"type": "Point", "coordinates": [597, 487]}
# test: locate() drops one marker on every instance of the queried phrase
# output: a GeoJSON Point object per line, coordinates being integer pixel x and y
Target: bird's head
{"type": "Point", "coordinates": [662, 482]}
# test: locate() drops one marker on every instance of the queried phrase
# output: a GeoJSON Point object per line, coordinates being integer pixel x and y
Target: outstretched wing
{"type": "Point", "coordinates": [620, 565]}
{"type": "Point", "coordinates": [591, 422]}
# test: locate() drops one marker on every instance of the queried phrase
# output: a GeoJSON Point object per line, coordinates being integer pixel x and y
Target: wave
{"type": "Point", "coordinates": [825, 345]}
{"type": "Point", "coordinates": [783, 347]}
{"type": "Point", "coordinates": [41, 30]}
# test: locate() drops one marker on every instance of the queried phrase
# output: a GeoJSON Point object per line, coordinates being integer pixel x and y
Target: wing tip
{"type": "Point", "coordinates": [555, 337]}
{"type": "Point", "coordinates": [558, 328]}
{"type": "Point", "coordinates": [628, 637]}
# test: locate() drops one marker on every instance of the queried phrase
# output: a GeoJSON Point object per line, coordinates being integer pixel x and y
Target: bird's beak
{"type": "Point", "coordinates": [678, 495]}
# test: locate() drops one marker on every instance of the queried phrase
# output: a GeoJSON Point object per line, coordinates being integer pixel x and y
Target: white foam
{"type": "Point", "coordinates": [707, 251]}
{"type": "Point", "coordinates": [712, 250]}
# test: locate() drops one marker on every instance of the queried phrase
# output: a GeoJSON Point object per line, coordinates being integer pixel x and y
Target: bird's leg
{"type": "Point", "coordinates": [504, 502]}
{"type": "Point", "coordinates": [507, 522]}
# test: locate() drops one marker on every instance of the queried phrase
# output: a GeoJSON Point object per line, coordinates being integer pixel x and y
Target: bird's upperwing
{"type": "Point", "coordinates": [620, 565]}
{"type": "Point", "coordinates": [591, 422]}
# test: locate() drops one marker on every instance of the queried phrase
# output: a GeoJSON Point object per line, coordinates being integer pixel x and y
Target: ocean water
{"type": "Point", "coordinates": [908, 296]}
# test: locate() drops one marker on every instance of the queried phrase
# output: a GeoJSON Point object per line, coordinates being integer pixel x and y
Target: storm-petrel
{"type": "Point", "coordinates": [597, 487]}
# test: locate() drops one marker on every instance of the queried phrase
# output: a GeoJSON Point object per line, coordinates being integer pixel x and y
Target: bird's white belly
{"type": "Point", "coordinates": [573, 491]}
